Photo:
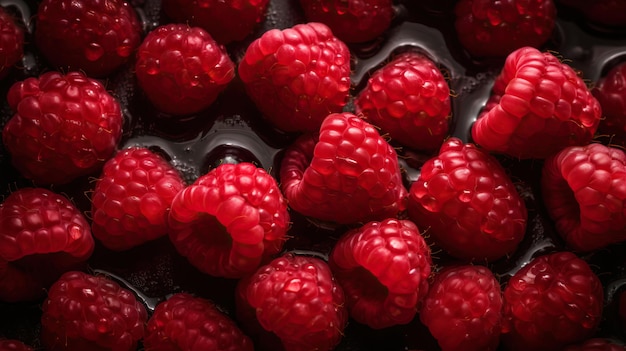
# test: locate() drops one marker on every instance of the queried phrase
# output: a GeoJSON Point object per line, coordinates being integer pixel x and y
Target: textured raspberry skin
{"type": "Point", "coordinates": [538, 106]}
{"type": "Point", "coordinates": [409, 99]}
{"type": "Point", "coordinates": [553, 301]}
{"type": "Point", "coordinates": [42, 235]}
{"type": "Point", "coordinates": [610, 91]}
{"type": "Point", "coordinates": [182, 69]}
{"type": "Point", "coordinates": [226, 21]}
{"type": "Point", "coordinates": [584, 190]}
{"type": "Point", "coordinates": [383, 268]}
{"type": "Point", "coordinates": [11, 42]}
{"type": "Point", "coordinates": [345, 174]}
{"type": "Point", "coordinates": [132, 198]}
{"type": "Point", "coordinates": [604, 13]}
{"type": "Point", "coordinates": [96, 37]}
{"type": "Point", "coordinates": [297, 76]}
{"type": "Point", "coordinates": [491, 28]}
{"type": "Point", "coordinates": [596, 344]}
{"type": "Point", "coordinates": [463, 309]}
{"type": "Point", "coordinates": [468, 203]}
{"type": "Point", "coordinates": [296, 298]}
{"type": "Point", "coordinates": [352, 21]}
{"type": "Point", "coordinates": [14, 345]}
{"type": "Point", "coordinates": [230, 221]}
{"type": "Point", "coordinates": [64, 127]}
{"type": "Point", "coordinates": [186, 322]}
{"type": "Point", "coordinates": [87, 312]}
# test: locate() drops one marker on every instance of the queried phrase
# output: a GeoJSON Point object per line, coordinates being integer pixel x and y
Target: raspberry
{"type": "Point", "coordinates": [42, 235]}
{"type": "Point", "coordinates": [186, 322]}
{"type": "Point", "coordinates": [596, 344]}
{"type": "Point", "coordinates": [611, 94]}
{"type": "Point", "coordinates": [96, 37]}
{"type": "Point", "coordinates": [296, 298]}
{"type": "Point", "coordinates": [553, 301]}
{"type": "Point", "coordinates": [345, 174]}
{"type": "Point", "coordinates": [383, 268]}
{"type": "Point", "coordinates": [230, 220]}
{"type": "Point", "coordinates": [132, 198]}
{"type": "Point", "coordinates": [86, 312]}
{"type": "Point", "coordinates": [64, 127]}
{"type": "Point", "coordinates": [11, 42]}
{"type": "Point", "coordinates": [584, 190]}
{"type": "Point", "coordinates": [352, 21]}
{"type": "Point", "coordinates": [13, 345]}
{"type": "Point", "coordinates": [463, 309]}
{"type": "Point", "coordinates": [467, 203]}
{"type": "Point", "coordinates": [538, 106]}
{"type": "Point", "coordinates": [181, 69]}
{"type": "Point", "coordinates": [409, 99]}
{"type": "Point", "coordinates": [297, 76]}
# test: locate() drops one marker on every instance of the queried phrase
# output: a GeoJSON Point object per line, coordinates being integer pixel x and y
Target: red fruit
{"type": "Point", "coordinates": [553, 301]}
{"type": "Point", "coordinates": [538, 106]}
{"type": "Point", "coordinates": [64, 127]}
{"type": "Point", "coordinates": [383, 268]}
{"type": "Point", "coordinates": [611, 94]}
{"type": "Point", "coordinates": [463, 309]}
{"type": "Point", "coordinates": [297, 76]}
{"type": "Point", "coordinates": [11, 42]}
{"type": "Point", "coordinates": [95, 37]}
{"type": "Point", "coordinates": [230, 220]}
{"type": "Point", "coordinates": [181, 69]}
{"type": "Point", "coordinates": [352, 21]}
{"type": "Point", "coordinates": [86, 312]}
{"type": "Point", "coordinates": [296, 298]}
{"type": "Point", "coordinates": [468, 203]}
{"type": "Point", "coordinates": [186, 322]}
{"type": "Point", "coordinates": [409, 99]}
{"type": "Point", "coordinates": [42, 235]}
{"type": "Point", "coordinates": [606, 13]}
{"type": "Point", "coordinates": [132, 198]}
{"type": "Point", "coordinates": [596, 344]}
{"type": "Point", "coordinates": [345, 174]}
{"type": "Point", "coordinates": [14, 345]}
{"type": "Point", "coordinates": [584, 190]}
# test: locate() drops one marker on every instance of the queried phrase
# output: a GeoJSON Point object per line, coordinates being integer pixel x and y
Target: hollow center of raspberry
{"type": "Point", "coordinates": [217, 235]}
{"type": "Point", "coordinates": [366, 286]}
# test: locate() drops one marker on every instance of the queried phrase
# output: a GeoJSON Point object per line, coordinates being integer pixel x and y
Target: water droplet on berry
{"type": "Point", "coordinates": [94, 52]}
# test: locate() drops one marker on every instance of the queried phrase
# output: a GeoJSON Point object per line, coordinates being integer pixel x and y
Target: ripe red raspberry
{"type": "Point", "coordinates": [14, 345]}
{"type": "Point", "coordinates": [352, 21]}
{"type": "Point", "coordinates": [87, 312]}
{"type": "Point", "coordinates": [297, 76]}
{"type": "Point", "coordinates": [383, 268]}
{"type": "Point", "coordinates": [186, 322]}
{"type": "Point", "coordinates": [11, 42]}
{"type": "Point", "coordinates": [553, 301]}
{"type": "Point", "coordinates": [345, 174]}
{"type": "Point", "coordinates": [468, 203]}
{"type": "Point", "coordinates": [584, 190]}
{"type": "Point", "coordinates": [181, 69]}
{"type": "Point", "coordinates": [42, 235]}
{"type": "Point", "coordinates": [603, 13]}
{"type": "Point", "coordinates": [96, 37]}
{"type": "Point", "coordinates": [538, 106]}
{"type": "Point", "coordinates": [230, 220]}
{"type": "Point", "coordinates": [409, 99]}
{"type": "Point", "coordinates": [596, 344]}
{"type": "Point", "coordinates": [64, 127]}
{"type": "Point", "coordinates": [611, 94]}
{"type": "Point", "coordinates": [132, 198]}
{"type": "Point", "coordinates": [463, 309]}
{"type": "Point", "coordinates": [225, 20]}
{"type": "Point", "coordinates": [296, 298]}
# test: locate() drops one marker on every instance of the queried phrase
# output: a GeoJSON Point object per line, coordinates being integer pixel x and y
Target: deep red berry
{"type": "Point", "coordinates": [297, 76]}
{"type": "Point", "coordinates": [182, 69]}
{"type": "Point", "coordinates": [42, 235]}
{"type": "Point", "coordinates": [14, 345]}
{"type": "Point", "coordinates": [611, 94]}
{"type": "Point", "coordinates": [132, 198]}
{"type": "Point", "coordinates": [409, 99]}
{"type": "Point", "coordinates": [11, 42]}
{"type": "Point", "coordinates": [596, 344]}
{"type": "Point", "coordinates": [64, 127]}
{"type": "Point", "coordinates": [383, 268]}
{"type": "Point", "coordinates": [602, 13]}
{"type": "Point", "coordinates": [346, 173]}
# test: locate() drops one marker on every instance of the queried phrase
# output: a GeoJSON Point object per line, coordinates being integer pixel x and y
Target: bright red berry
{"type": "Point", "coordinates": [596, 344]}
{"type": "Point", "coordinates": [14, 345]}
{"type": "Point", "coordinates": [132, 198]}
{"type": "Point", "coordinates": [468, 203]}
{"type": "Point", "coordinates": [611, 94]}
{"type": "Point", "coordinates": [297, 76]}
{"type": "Point", "coordinates": [42, 235]}
{"type": "Point", "coordinates": [11, 42]}
{"type": "Point", "coordinates": [409, 99]}
{"type": "Point", "coordinates": [230, 220]}
{"type": "Point", "coordinates": [538, 106]}
{"type": "Point", "coordinates": [65, 126]}
{"type": "Point", "coordinates": [346, 173]}
{"type": "Point", "coordinates": [95, 37]}
{"type": "Point", "coordinates": [383, 268]}
{"type": "Point", "coordinates": [186, 322]}
{"type": "Point", "coordinates": [181, 69]}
